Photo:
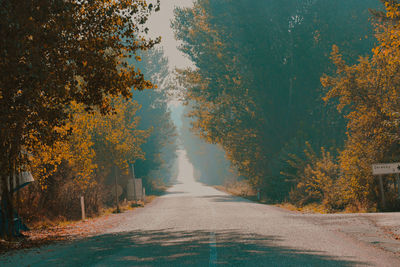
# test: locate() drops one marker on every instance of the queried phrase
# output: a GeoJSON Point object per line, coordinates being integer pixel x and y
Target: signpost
{"type": "Point", "coordinates": [386, 168]}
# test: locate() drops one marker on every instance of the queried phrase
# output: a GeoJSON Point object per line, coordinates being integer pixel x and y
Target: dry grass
{"type": "Point", "coordinates": [46, 231]}
{"type": "Point", "coordinates": [43, 223]}
{"type": "Point", "coordinates": [288, 206]}
{"type": "Point", "coordinates": [243, 189]}
{"type": "Point", "coordinates": [310, 208]}
{"type": "Point", "coordinates": [129, 205]}
{"type": "Point", "coordinates": [238, 188]}
{"type": "Point", "coordinates": [150, 198]}
{"type": "Point", "coordinates": [320, 209]}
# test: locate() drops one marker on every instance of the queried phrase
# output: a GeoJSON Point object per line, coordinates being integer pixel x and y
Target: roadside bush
{"type": "Point", "coordinates": [316, 179]}
{"type": "Point", "coordinates": [59, 199]}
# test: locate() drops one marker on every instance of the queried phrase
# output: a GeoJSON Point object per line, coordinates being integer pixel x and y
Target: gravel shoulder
{"type": "Point", "coordinates": [381, 230]}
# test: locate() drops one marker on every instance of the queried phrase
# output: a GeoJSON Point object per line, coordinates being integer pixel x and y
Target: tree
{"type": "Point", "coordinates": [368, 96]}
{"type": "Point", "coordinates": [160, 148]}
{"type": "Point", "coordinates": [55, 52]}
{"type": "Point", "coordinates": [255, 89]}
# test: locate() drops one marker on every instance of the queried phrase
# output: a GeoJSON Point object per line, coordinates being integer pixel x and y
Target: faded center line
{"type": "Point", "coordinates": [213, 240]}
{"type": "Point", "coordinates": [213, 249]}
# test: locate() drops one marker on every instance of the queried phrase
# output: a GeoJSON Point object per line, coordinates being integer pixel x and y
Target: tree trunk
{"type": "Point", "coordinates": [10, 163]}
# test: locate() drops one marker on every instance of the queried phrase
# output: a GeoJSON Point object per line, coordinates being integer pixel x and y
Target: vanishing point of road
{"type": "Point", "coordinates": [194, 224]}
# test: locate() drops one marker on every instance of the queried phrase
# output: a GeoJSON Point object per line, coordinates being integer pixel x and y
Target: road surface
{"type": "Point", "coordinates": [194, 224]}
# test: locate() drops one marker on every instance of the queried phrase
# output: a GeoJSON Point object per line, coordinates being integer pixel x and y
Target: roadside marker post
{"type": "Point", "coordinates": [83, 208]}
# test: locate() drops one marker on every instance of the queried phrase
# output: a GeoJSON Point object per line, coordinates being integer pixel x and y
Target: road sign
{"type": "Point", "coordinates": [385, 168]}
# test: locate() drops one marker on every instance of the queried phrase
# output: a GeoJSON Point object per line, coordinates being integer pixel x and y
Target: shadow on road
{"type": "Point", "coordinates": [227, 198]}
{"type": "Point", "coordinates": [174, 192]}
{"type": "Point", "coordinates": [174, 248]}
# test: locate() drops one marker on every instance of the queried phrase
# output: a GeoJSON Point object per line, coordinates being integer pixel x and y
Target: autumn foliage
{"type": "Point", "coordinates": [54, 55]}
{"type": "Point", "coordinates": [368, 94]}
{"type": "Point", "coordinates": [84, 163]}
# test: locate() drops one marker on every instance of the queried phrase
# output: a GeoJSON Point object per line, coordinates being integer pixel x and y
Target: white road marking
{"type": "Point", "coordinates": [213, 240]}
{"type": "Point", "coordinates": [213, 249]}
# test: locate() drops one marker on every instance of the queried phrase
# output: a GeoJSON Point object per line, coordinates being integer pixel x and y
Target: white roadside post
{"type": "Point", "coordinates": [385, 168]}
{"type": "Point", "coordinates": [83, 208]}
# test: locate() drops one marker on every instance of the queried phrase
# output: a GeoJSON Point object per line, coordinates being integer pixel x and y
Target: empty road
{"type": "Point", "coordinates": [194, 224]}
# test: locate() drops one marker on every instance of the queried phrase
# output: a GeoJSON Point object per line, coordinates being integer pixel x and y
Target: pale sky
{"type": "Point", "coordinates": [159, 25]}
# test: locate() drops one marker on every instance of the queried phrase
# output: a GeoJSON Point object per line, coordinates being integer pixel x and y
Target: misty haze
{"type": "Point", "coordinates": [200, 133]}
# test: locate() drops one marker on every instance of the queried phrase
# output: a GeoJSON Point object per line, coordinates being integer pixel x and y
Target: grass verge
{"type": "Point", "coordinates": [45, 231]}
{"type": "Point", "coordinates": [244, 190]}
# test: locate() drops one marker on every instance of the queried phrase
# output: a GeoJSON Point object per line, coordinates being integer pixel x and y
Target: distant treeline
{"type": "Point", "coordinates": [209, 162]}
{"type": "Point", "coordinates": [272, 89]}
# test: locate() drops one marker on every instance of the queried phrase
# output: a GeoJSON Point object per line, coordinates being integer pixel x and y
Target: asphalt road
{"type": "Point", "coordinates": [194, 224]}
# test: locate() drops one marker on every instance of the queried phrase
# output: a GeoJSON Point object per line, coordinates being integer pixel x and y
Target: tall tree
{"type": "Point", "coordinates": [255, 89]}
{"type": "Point", "coordinates": [157, 166]}
{"type": "Point", "coordinates": [54, 52]}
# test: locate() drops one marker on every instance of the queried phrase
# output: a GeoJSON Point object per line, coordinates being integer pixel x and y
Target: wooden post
{"type": "Point", "coordinates": [382, 191]}
{"type": "Point", "coordinates": [83, 208]}
{"type": "Point", "coordinates": [144, 195]}
{"type": "Point", "coordinates": [398, 185]}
